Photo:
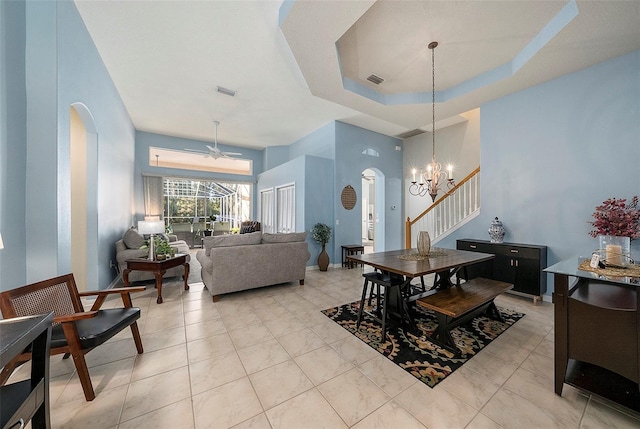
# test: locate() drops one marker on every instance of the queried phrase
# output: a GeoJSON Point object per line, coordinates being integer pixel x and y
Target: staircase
{"type": "Point", "coordinates": [449, 212]}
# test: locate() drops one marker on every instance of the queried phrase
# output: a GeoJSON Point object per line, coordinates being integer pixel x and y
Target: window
{"type": "Point", "coordinates": [189, 201]}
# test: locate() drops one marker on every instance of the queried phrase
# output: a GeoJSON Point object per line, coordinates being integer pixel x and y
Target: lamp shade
{"type": "Point", "coordinates": [150, 226]}
{"type": "Point", "coordinates": [1, 244]}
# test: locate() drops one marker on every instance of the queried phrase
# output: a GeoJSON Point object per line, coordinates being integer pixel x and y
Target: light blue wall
{"type": "Point", "coordinates": [13, 134]}
{"type": "Point", "coordinates": [320, 143]}
{"type": "Point", "coordinates": [61, 66]}
{"type": "Point", "coordinates": [291, 172]}
{"type": "Point", "coordinates": [145, 140]}
{"type": "Point", "coordinates": [319, 204]}
{"type": "Point", "coordinates": [313, 178]}
{"type": "Point", "coordinates": [350, 162]}
{"type": "Point", "coordinates": [274, 156]}
{"type": "Point", "coordinates": [553, 152]}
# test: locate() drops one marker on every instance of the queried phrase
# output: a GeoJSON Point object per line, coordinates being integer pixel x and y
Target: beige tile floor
{"type": "Point", "coordinates": [269, 359]}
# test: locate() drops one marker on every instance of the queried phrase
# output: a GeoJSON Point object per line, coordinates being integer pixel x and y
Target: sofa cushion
{"type": "Point", "coordinates": [231, 240]}
{"type": "Point", "coordinates": [133, 239]}
{"type": "Point", "coordinates": [283, 238]}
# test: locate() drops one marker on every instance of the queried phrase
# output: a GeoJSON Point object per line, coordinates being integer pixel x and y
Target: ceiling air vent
{"type": "Point", "coordinates": [411, 133]}
{"type": "Point", "coordinates": [225, 91]}
{"type": "Point", "coordinates": [374, 78]}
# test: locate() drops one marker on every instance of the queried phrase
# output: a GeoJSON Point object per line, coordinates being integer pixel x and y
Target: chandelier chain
{"type": "Point", "coordinates": [433, 102]}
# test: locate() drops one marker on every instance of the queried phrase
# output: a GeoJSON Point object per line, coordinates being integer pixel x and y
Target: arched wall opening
{"type": "Point", "coordinates": [373, 203]}
{"type": "Point", "coordinates": [84, 196]}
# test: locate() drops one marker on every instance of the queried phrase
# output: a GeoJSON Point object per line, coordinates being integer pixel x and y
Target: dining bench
{"type": "Point", "coordinates": [458, 304]}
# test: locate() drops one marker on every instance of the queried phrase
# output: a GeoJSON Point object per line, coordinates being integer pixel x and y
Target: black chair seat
{"type": "Point", "coordinates": [96, 330]}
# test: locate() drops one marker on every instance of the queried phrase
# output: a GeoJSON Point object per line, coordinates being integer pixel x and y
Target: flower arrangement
{"type": "Point", "coordinates": [321, 233]}
{"type": "Point", "coordinates": [616, 217]}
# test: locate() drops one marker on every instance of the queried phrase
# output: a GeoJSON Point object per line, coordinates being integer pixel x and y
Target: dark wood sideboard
{"type": "Point", "coordinates": [519, 264]}
{"type": "Point", "coordinates": [597, 333]}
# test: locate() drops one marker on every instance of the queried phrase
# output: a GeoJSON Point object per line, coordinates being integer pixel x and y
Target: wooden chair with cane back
{"type": "Point", "coordinates": [75, 331]}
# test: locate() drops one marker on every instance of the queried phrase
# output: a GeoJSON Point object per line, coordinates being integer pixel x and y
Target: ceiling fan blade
{"type": "Point", "coordinates": [212, 149]}
{"type": "Point", "coordinates": [196, 151]}
{"type": "Point", "coordinates": [233, 153]}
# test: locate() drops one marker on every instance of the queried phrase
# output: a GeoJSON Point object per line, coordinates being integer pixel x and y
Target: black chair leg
{"type": "Point", "coordinates": [362, 301]}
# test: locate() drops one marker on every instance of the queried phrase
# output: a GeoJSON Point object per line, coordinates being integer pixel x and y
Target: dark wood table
{"type": "Point", "coordinates": [597, 333]}
{"type": "Point", "coordinates": [26, 400]}
{"type": "Point", "coordinates": [158, 268]}
{"type": "Point", "coordinates": [445, 264]}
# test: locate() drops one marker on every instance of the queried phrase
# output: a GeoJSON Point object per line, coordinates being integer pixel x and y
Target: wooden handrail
{"type": "Point", "coordinates": [409, 222]}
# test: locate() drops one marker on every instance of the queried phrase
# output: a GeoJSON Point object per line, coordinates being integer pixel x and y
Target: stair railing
{"type": "Point", "coordinates": [448, 211]}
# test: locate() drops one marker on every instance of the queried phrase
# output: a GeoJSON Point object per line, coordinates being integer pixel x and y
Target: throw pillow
{"type": "Point", "coordinates": [284, 238]}
{"type": "Point", "coordinates": [133, 239]}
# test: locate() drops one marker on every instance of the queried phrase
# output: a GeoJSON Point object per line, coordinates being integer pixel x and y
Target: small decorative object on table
{"type": "Point", "coordinates": [424, 243]}
{"type": "Point", "coordinates": [616, 224]}
{"type": "Point", "coordinates": [496, 231]}
{"type": "Point", "coordinates": [162, 249]}
{"type": "Point", "coordinates": [322, 234]}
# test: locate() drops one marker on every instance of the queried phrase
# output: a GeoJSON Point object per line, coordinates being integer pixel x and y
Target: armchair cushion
{"type": "Point", "coordinates": [133, 239]}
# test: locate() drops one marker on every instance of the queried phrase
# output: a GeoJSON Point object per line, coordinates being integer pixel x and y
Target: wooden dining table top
{"type": "Point", "coordinates": [443, 260]}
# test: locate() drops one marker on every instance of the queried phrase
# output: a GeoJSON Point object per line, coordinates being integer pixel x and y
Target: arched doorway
{"type": "Point", "coordinates": [373, 219]}
{"type": "Point", "coordinates": [83, 142]}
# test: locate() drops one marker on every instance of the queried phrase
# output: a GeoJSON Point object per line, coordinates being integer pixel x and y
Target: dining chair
{"type": "Point", "coordinates": [75, 332]}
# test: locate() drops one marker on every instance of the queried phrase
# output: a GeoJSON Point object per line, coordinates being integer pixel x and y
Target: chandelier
{"type": "Point", "coordinates": [433, 177]}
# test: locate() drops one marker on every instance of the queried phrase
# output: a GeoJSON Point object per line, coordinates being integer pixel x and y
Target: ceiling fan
{"type": "Point", "coordinates": [214, 152]}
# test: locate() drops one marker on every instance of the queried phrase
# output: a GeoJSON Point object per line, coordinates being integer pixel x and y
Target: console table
{"type": "Point", "coordinates": [597, 333]}
{"type": "Point", "coordinates": [26, 400]}
{"type": "Point", "coordinates": [520, 264]}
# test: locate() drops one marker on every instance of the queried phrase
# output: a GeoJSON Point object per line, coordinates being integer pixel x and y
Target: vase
{"type": "Point", "coordinates": [323, 259]}
{"type": "Point", "coordinates": [496, 231]}
{"type": "Point", "coordinates": [615, 251]}
{"type": "Point", "coordinates": [424, 243]}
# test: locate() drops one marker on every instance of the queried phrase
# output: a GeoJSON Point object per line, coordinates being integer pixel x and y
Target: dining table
{"type": "Point", "coordinates": [406, 264]}
{"type": "Point", "coordinates": [445, 263]}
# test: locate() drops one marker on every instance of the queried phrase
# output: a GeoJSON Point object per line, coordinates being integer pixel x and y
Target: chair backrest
{"type": "Point", "coordinates": [58, 294]}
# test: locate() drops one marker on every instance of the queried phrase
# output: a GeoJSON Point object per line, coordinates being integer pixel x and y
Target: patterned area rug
{"type": "Point", "coordinates": [414, 352]}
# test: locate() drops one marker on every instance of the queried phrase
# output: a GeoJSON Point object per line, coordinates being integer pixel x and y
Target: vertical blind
{"type": "Point", "coordinates": [286, 208]}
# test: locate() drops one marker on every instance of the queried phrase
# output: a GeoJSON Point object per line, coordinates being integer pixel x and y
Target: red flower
{"type": "Point", "coordinates": [616, 217]}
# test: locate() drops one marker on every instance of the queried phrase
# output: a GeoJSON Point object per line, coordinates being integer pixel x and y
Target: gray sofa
{"type": "Point", "coordinates": [133, 245]}
{"type": "Point", "coordinates": [236, 262]}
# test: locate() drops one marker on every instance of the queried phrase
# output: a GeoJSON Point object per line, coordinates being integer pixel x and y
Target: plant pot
{"type": "Point", "coordinates": [323, 259]}
{"type": "Point", "coordinates": [161, 257]}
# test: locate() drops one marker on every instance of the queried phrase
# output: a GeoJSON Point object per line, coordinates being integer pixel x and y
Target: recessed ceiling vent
{"type": "Point", "coordinates": [226, 91]}
{"type": "Point", "coordinates": [374, 78]}
{"type": "Point", "coordinates": [411, 133]}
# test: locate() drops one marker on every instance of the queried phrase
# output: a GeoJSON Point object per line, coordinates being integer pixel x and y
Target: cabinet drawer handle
{"type": "Point", "coordinates": [514, 251]}
{"type": "Point", "coordinates": [473, 246]}
{"type": "Point", "coordinates": [20, 422]}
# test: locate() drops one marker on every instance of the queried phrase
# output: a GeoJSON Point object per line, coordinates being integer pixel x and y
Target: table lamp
{"type": "Point", "coordinates": [151, 227]}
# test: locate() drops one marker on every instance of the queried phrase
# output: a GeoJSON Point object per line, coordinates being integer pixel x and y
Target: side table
{"type": "Point", "coordinates": [350, 250]}
{"type": "Point", "coordinates": [26, 400]}
{"type": "Point", "coordinates": [158, 268]}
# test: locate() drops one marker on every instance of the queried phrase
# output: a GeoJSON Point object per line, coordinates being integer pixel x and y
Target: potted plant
{"type": "Point", "coordinates": [163, 249]}
{"type": "Point", "coordinates": [322, 234]}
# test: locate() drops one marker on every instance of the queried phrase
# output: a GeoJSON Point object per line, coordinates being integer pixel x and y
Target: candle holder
{"type": "Point", "coordinates": [615, 251]}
